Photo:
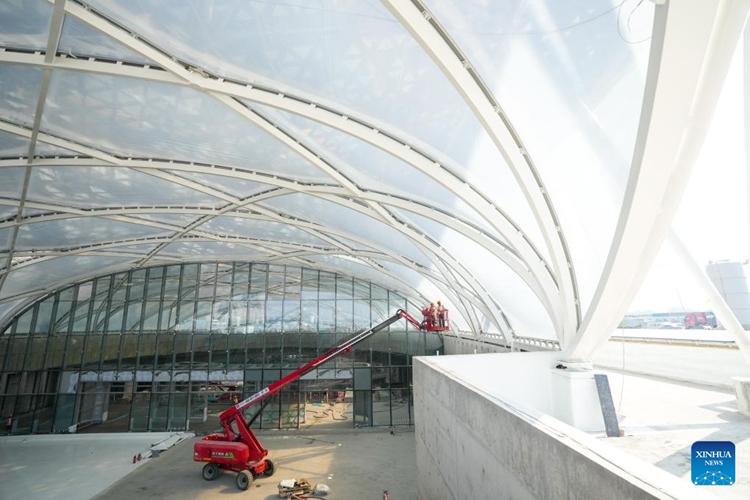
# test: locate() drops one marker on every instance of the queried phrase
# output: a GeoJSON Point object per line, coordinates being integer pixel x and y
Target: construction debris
{"type": "Point", "coordinates": [289, 487]}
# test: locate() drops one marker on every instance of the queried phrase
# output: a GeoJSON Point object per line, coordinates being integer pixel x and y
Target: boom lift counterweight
{"type": "Point", "coordinates": [237, 448]}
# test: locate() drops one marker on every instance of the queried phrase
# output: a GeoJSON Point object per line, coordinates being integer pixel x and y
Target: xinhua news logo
{"type": "Point", "coordinates": [712, 463]}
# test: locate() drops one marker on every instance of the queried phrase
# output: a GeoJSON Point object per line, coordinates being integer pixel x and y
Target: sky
{"type": "Point", "coordinates": [712, 219]}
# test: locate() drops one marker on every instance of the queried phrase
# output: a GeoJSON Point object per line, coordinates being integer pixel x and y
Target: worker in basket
{"type": "Point", "coordinates": [441, 314]}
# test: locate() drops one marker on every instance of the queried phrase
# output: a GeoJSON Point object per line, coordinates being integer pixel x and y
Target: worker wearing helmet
{"type": "Point", "coordinates": [441, 314]}
{"type": "Point", "coordinates": [432, 315]}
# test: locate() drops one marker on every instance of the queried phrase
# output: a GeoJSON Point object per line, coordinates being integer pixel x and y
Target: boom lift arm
{"type": "Point", "coordinates": [238, 449]}
{"type": "Point", "coordinates": [335, 352]}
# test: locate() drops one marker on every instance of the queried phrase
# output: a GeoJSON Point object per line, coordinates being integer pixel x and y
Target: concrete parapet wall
{"type": "Point", "coordinates": [698, 364]}
{"type": "Point", "coordinates": [463, 345]}
{"type": "Point", "coordinates": [473, 442]}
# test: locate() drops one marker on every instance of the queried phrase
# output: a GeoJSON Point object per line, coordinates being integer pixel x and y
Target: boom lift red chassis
{"type": "Point", "coordinates": [237, 448]}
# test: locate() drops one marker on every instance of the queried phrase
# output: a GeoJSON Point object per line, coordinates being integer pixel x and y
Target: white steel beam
{"type": "Point", "coordinates": [420, 23]}
{"type": "Point", "coordinates": [692, 44]}
{"type": "Point", "coordinates": [53, 38]}
{"type": "Point", "coordinates": [345, 121]}
{"type": "Point", "coordinates": [499, 249]}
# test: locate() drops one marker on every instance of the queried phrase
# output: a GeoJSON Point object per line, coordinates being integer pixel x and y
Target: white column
{"type": "Point", "coordinates": [719, 306]}
{"type": "Point", "coordinates": [692, 45]}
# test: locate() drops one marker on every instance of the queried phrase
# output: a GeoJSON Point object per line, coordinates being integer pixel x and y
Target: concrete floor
{"type": "Point", "coordinates": [63, 467]}
{"type": "Point", "coordinates": [664, 418]}
{"type": "Point", "coordinates": [354, 464]}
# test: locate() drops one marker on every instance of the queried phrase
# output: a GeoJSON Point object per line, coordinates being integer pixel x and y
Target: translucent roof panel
{"type": "Point", "coordinates": [28, 212]}
{"type": "Point", "coordinates": [374, 169]}
{"type": "Point", "coordinates": [139, 249]}
{"type": "Point", "coordinates": [54, 271]}
{"type": "Point", "coordinates": [11, 181]}
{"type": "Point", "coordinates": [240, 188]}
{"type": "Point", "coordinates": [80, 232]}
{"type": "Point", "coordinates": [360, 269]}
{"type": "Point", "coordinates": [136, 118]}
{"type": "Point", "coordinates": [6, 233]}
{"type": "Point", "coordinates": [212, 249]}
{"type": "Point", "coordinates": [6, 307]}
{"type": "Point", "coordinates": [7, 212]}
{"type": "Point", "coordinates": [111, 186]}
{"type": "Point", "coordinates": [368, 63]}
{"type": "Point", "coordinates": [46, 150]}
{"type": "Point", "coordinates": [576, 107]}
{"type": "Point", "coordinates": [19, 93]}
{"type": "Point", "coordinates": [354, 245]}
{"type": "Point", "coordinates": [13, 146]}
{"type": "Point", "coordinates": [513, 295]}
{"type": "Point", "coordinates": [24, 24]}
{"type": "Point", "coordinates": [79, 39]}
{"type": "Point", "coordinates": [181, 220]}
{"type": "Point", "coordinates": [339, 217]}
{"type": "Point", "coordinates": [266, 230]}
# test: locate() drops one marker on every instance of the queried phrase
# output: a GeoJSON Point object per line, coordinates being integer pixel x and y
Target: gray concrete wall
{"type": "Point", "coordinates": [455, 345]}
{"type": "Point", "coordinates": [473, 444]}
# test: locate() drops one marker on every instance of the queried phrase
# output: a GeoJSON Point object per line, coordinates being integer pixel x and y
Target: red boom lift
{"type": "Point", "coordinates": [237, 448]}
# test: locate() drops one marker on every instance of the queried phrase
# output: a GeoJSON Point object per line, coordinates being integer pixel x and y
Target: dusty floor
{"type": "Point", "coordinates": [664, 418]}
{"type": "Point", "coordinates": [354, 464]}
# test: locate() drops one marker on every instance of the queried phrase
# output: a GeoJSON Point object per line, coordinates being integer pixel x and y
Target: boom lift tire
{"type": "Point", "coordinates": [270, 468]}
{"type": "Point", "coordinates": [211, 472]}
{"type": "Point", "coordinates": [244, 479]}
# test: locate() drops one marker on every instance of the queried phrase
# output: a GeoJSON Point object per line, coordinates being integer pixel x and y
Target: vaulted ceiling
{"type": "Point", "coordinates": [472, 151]}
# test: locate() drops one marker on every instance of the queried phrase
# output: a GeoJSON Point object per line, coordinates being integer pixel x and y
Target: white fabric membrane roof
{"type": "Point", "coordinates": [433, 146]}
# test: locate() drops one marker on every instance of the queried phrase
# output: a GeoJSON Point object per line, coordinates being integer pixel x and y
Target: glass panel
{"type": "Point", "coordinates": [64, 412]}
{"type": "Point", "coordinates": [139, 416]}
{"type": "Point", "coordinates": [261, 229]}
{"type": "Point", "coordinates": [19, 91]}
{"type": "Point", "coordinates": [79, 231]}
{"type": "Point", "coordinates": [132, 324]}
{"type": "Point", "coordinates": [373, 168]}
{"type": "Point", "coordinates": [60, 269]}
{"type": "Point", "coordinates": [274, 316]}
{"type": "Point", "coordinates": [15, 358]}
{"type": "Point", "coordinates": [23, 324]}
{"type": "Point", "coordinates": [588, 100]}
{"type": "Point", "coordinates": [309, 316]}
{"type": "Point", "coordinates": [242, 188]}
{"type": "Point", "coordinates": [212, 248]}
{"type": "Point", "coordinates": [336, 216]}
{"type": "Point", "coordinates": [55, 352]}
{"type": "Point", "coordinates": [384, 76]}
{"type": "Point", "coordinates": [109, 110]}
{"type": "Point", "coordinates": [111, 186]}
{"type": "Point", "coordinates": [74, 351]}
{"type": "Point", "coordinates": [25, 25]}
{"type": "Point", "coordinates": [256, 314]}
{"type": "Point", "coordinates": [258, 281]}
{"type": "Point", "coordinates": [78, 39]}
{"type": "Point", "coordinates": [35, 357]}
{"type": "Point", "coordinates": [327, 316]}
{"type": "Point", "coordinates": [11, 179]}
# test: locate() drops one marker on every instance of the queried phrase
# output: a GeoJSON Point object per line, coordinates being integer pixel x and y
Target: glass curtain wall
{"type": "Point", "coordinates": [171, 347]}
